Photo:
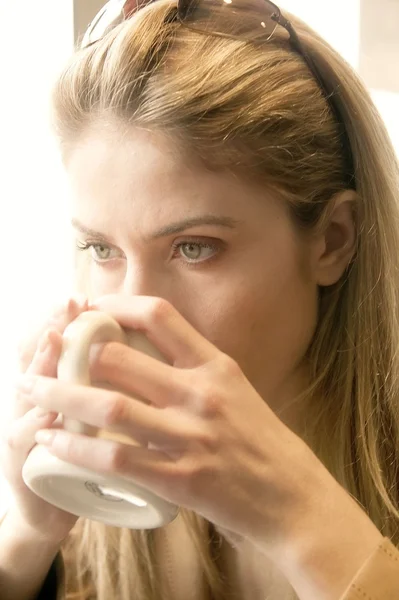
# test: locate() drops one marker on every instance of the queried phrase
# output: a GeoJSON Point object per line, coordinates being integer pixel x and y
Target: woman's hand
{"type": "Point", "coordinates": [215, 446]}
{"type": "Point", "coordinates": [39, 355]}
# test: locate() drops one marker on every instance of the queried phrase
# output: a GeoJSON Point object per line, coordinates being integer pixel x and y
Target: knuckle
{"type": "Point", "coordinates": [209, 399]}
{"type": "Point", "coordinates": [14, 437]}
{"type": "Point", "coordinates": [118, 459]}
{"type": "Point", "coordinates": [206, 439]}
{"type": "Point", "coordinates": [182, 477]}
{"type": "Point", "coordinates": [159, 311]}
{"type": "Point", "coordinates": [190, 476]}
{"type": "Point", "coordinates": [43, 390]}
{"type": "Point", "coordinates": [115, 411]}
{"type": "Point", "coordinates": [10, 440]}
{"type": "Point", "coordinates": [70, 449]}
{"type": "Point", "coordinates": [227, 367]}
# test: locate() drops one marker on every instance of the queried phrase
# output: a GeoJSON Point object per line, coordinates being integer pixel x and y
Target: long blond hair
{"type": "Point", "coordinates": [257, 110]}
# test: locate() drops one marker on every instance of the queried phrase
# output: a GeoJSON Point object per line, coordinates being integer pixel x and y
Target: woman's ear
{"type": "Point", "coordinates": [336, 243]}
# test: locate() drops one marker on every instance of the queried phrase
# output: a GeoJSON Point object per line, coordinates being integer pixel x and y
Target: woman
{"type": "Point", "coordinates": [235, 197]}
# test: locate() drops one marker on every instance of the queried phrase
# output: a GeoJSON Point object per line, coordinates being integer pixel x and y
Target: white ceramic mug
{"type": "Point", "coordinates": [113, 500]}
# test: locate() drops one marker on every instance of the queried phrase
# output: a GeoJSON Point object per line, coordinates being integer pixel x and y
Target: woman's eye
{"type": "Point", "coordinates": [98, 252]}
{"type": "Point", "coordinates": [190, 251]}
{"type": "Point", "coordinates": [195, 252]}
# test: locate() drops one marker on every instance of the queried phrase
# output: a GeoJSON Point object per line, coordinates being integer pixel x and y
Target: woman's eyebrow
{"type": "Point", "coordinates": [172, 228]}
{"type": "Point", "coordinates": [101, 237]}
{"type": "Point", "coordinates": [180, 226]}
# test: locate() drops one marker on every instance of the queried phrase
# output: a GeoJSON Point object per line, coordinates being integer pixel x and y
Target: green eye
{"type": "Point", "coordinates": [100, 252]}
{"type": "Point", "coordinates": [195, 251]}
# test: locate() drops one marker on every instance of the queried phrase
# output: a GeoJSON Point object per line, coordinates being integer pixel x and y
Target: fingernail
{"type": "Point", "coordinates": [25, 383]}
{"type": "Point", "coordinates": [44, 436]}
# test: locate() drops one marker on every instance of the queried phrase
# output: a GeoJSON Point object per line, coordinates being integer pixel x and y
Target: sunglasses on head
{"type": "Point", "coordinates": [251, 20]}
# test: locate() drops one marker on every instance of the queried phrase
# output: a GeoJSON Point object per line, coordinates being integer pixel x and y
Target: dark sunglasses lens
{"type": "Point", "coordinates": [246, 19]}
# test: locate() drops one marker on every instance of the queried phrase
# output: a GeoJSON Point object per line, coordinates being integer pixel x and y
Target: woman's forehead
{"type": "Point", "coordinates": [145, 168]}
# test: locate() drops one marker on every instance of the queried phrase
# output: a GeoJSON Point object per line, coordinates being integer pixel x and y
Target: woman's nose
{"type": "Point", "coordinates": [141, 280]}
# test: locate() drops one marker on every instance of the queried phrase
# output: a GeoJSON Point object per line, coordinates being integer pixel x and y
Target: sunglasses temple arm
{"type": "Point", "coordinates": [328, 91]}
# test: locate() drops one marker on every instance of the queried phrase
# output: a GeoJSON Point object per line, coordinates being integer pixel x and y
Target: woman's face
{"type": "Point", "coordinates": [225, 254]}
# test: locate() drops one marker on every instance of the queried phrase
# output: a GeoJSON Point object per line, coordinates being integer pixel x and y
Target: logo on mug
{"type": "Point", "coordinates": [96, 489]}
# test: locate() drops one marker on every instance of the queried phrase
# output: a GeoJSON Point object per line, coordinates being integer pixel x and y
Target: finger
{"type": "Point", "coordinates": [44, 362]}
{"type": "Point", "coordinates": [20, 438]}
{"type": "Point", "coordinates": [46, 357]}
{"type": "Point", "coordinates": [114, 411]}
{"type": "Point", "coordinates": [164, 326]}
{"type": "Point", "coordinates": [47, 349]}
{"type": "Point", "coordinates": [139, 375]}
{"type": "Point", "coordinates": [145, 466]}
{"type": "Point", "coordinates": [59, 319]}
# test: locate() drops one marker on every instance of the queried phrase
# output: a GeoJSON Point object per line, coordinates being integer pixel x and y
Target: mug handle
{"type": "Point", "coordinates": [88, 328]}
{"type": "Point", "coordinates": [109, 498]}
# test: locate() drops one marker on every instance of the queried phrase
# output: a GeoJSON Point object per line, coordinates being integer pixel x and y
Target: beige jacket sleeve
{"type": "Point", "coordinates": [378, 578]}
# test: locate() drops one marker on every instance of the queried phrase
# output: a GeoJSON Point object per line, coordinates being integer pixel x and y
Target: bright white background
{"type": "Point", "coordinates": [35, 39]}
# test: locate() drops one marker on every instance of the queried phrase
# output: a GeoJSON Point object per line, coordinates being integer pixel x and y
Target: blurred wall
{"type": "Point", "coordinates": [379, 44]}
{"type": "Point", "coordinates": [83, 13]}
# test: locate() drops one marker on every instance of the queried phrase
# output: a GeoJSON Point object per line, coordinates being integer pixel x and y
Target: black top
{"type": "Point", "coordinates": [50, 586]}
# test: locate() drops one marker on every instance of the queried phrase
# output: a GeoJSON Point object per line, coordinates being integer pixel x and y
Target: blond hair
{"type": "Point", "coordinates": [256, 109]}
